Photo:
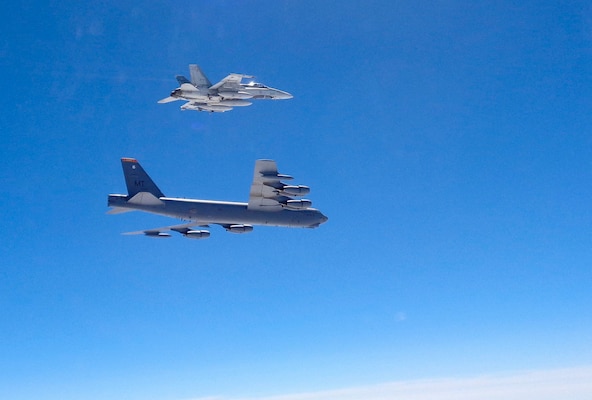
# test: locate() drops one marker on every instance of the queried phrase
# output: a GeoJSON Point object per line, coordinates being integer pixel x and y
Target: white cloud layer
{"type": "Point", "coordinates": [559, 384]}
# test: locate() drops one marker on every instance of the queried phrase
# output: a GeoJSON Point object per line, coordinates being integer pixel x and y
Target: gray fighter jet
{"type": "Point", "coordinates": [271, 202]}
{"type": "Point", "coordinates": [230, 92]}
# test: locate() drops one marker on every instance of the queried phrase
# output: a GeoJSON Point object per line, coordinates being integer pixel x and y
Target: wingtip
{"type": "Point", "coordinates": [118, 210]}
{"type": "Point", "coordinates": [167, 100]}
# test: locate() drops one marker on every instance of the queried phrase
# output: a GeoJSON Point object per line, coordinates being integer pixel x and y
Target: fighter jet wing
{"type": "Point", "coordinates": [269, 193]}
{"type": "Point", "coordinates": [168, 99]}
{"type": "Point", "coordinates": [231, 82]}
{"type": "Point", "coordinates": [184, 229]}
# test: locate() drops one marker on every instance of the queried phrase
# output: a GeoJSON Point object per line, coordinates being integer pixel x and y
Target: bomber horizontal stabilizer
{"type": "Point", "coordinates": [118, 210]}
{"type": "Point", "coordinates": [145, 199]}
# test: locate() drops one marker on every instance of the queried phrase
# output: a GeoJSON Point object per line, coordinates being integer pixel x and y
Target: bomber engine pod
{"type": "Point", "coordinates": [240, 228]}
{"type": "Point", "coordinates": [298, 204]}
{"type": "Point", "coordinates": [292, 190]}
{"type": "Point", "coordinates": [200, 234]}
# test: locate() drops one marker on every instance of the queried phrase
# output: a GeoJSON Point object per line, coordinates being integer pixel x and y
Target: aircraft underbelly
{"type": "Point", "coordinates": [231, 213]}
{"type": "Point", "coordinates": [194, 97]}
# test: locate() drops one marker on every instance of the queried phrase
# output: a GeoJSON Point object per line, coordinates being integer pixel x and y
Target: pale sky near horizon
{"type": "Point", "coordinates": [448, 142]}
{"type": "Point", "coordinates": [573, 384]}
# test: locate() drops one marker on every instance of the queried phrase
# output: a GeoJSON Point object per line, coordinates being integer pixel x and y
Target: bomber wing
{"type": "Point", "coordinates": [184, 229]}
{"type": "Point", "coordinates": [189, 230]}
{"type": "Point", "coordinates": [269, 193]}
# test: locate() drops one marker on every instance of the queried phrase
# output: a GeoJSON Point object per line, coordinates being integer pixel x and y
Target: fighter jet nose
{"type": "Point", "coordinates": [324, 219]}
{"type": "Point", "coordinates": [283, 96]}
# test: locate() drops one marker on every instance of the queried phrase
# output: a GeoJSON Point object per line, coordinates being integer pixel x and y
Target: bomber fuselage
{"type": "Point", "coordinates": [223, 212]}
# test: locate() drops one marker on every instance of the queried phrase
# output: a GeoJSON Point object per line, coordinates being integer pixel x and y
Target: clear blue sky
{"type": "Point", "coordinates": [449, 143]}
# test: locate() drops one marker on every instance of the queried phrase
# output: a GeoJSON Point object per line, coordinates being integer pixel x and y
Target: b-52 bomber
{"type": "Point", "coordinates": [271, 202]}
{"type": "Point", "coordinates": [230, 92]}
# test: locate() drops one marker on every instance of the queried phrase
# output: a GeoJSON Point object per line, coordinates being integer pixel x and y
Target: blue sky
{"type": "Point", "coordinates": [449, 143]}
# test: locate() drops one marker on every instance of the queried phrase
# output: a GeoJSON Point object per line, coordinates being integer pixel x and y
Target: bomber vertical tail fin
{"type": "Point", "coordinates": [137, 180]}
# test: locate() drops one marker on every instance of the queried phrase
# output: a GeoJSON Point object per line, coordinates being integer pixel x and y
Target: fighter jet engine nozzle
{"type": "Point", "coordinates": [292, 190]}
{"type": "Point", "coordinates": [198, 234]}
{"type": "Point", "coordinates": [240, 228]}
{"type": "Point", "coordinates": [298, 204]}
{"type": "Point", "coordinates": [240, 95]}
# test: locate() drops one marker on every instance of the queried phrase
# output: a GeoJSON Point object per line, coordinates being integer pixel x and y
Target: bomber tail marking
{"type": "Point", "coordinates": [137, 180]}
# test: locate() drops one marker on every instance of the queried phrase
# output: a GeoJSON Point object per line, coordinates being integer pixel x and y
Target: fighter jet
{"type": "Point", "coordinates": [230, 92]}
{"type": "Point", "coordinates": [271, 202]}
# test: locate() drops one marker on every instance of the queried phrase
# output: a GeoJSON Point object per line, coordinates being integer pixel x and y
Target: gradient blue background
{"type": "Point", "coordinates": [448, 142]}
